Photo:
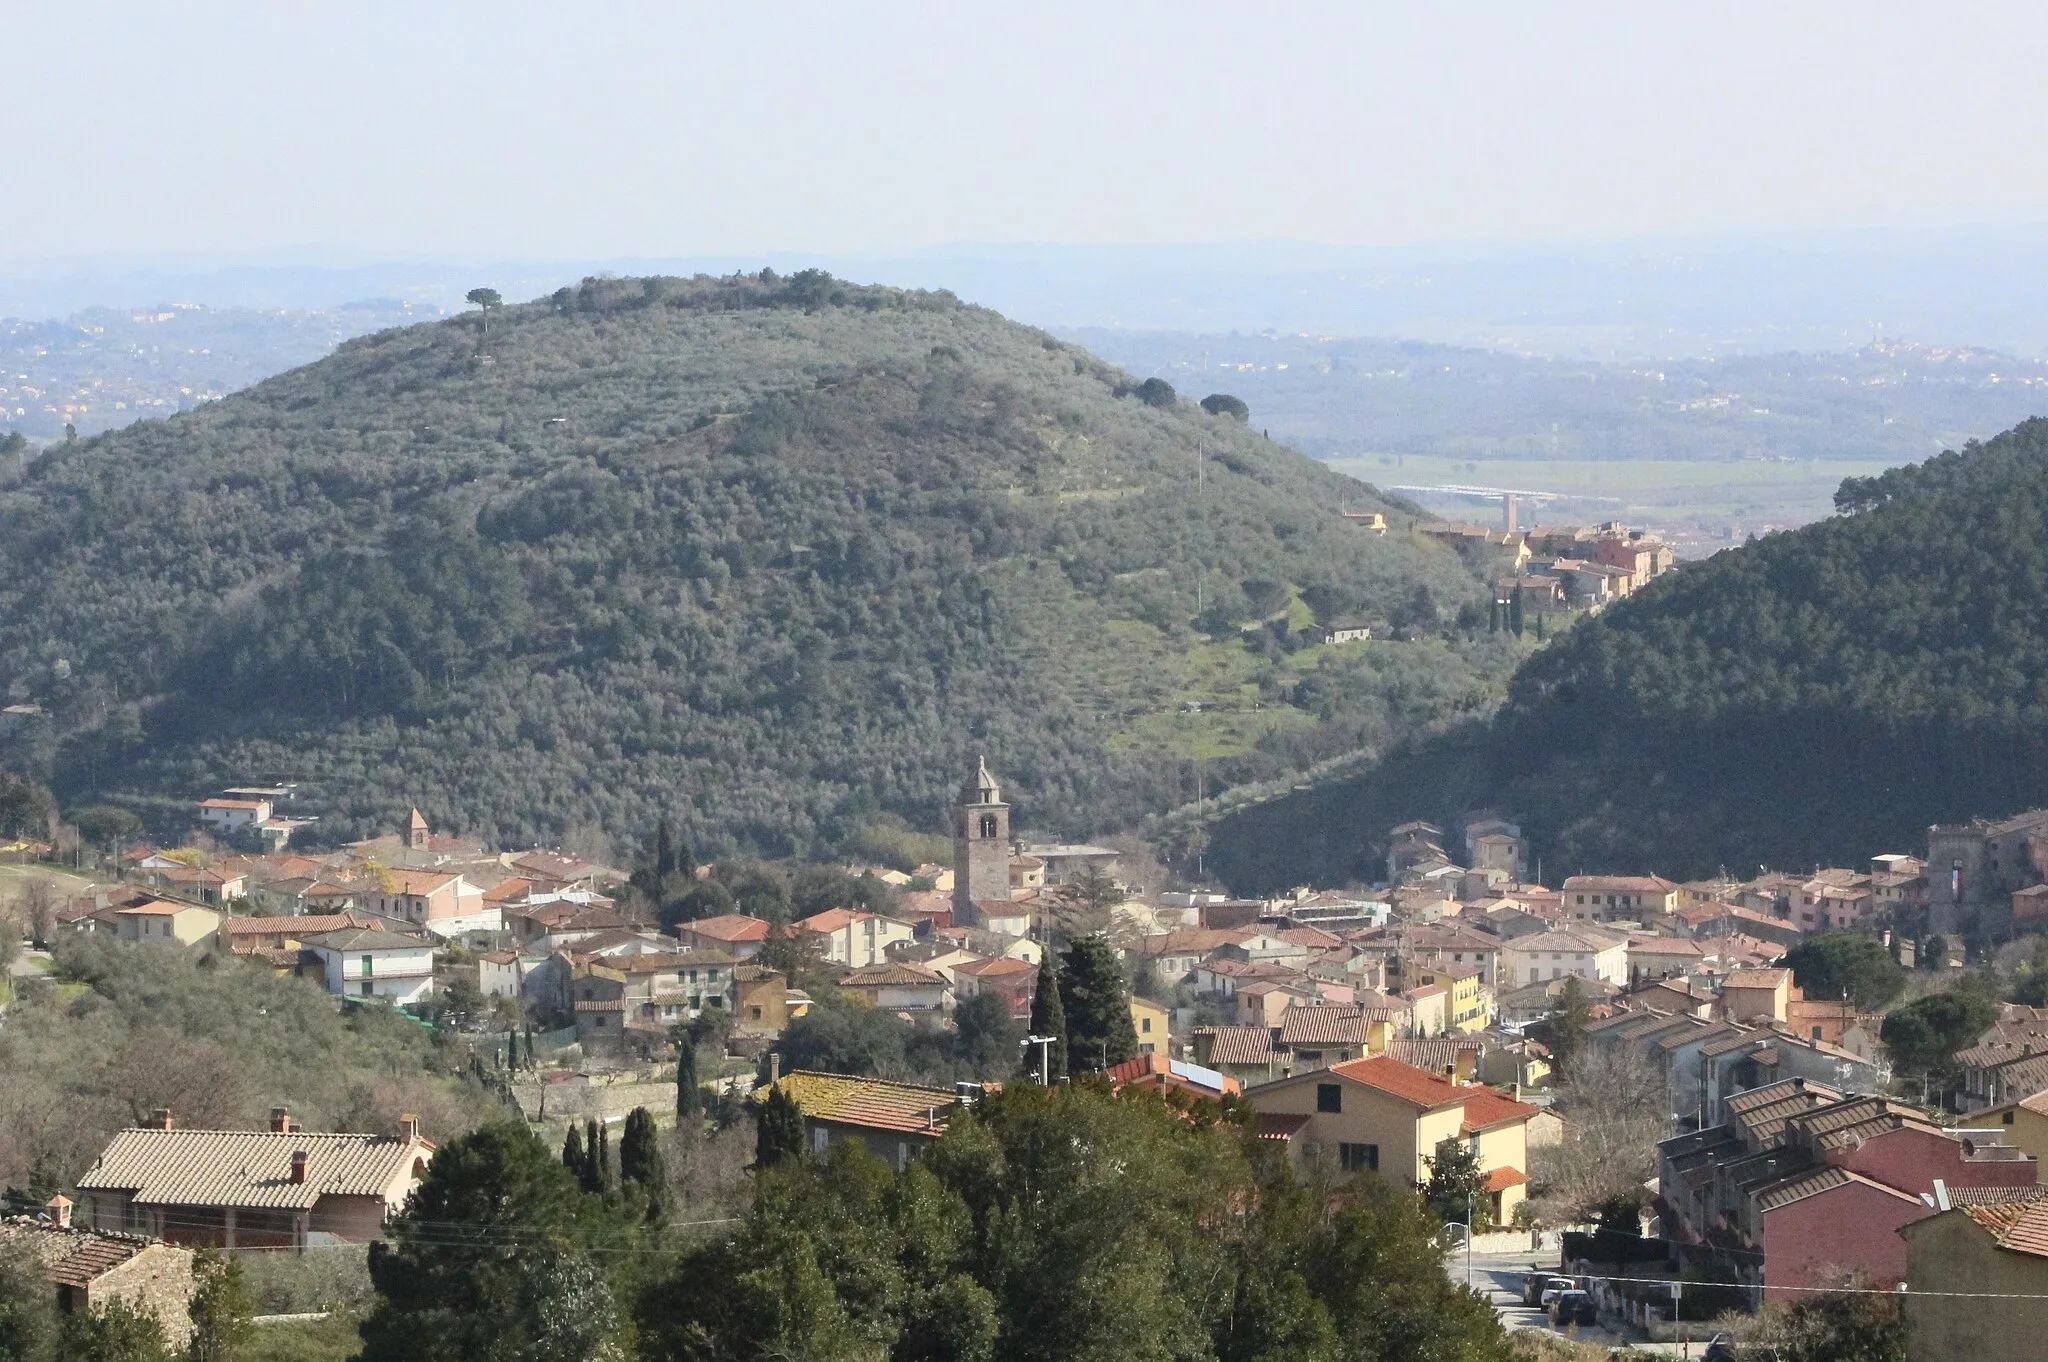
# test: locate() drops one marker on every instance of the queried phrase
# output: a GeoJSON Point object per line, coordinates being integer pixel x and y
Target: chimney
{"type": "Point", "coordinates": [59, 1208]}
{"type": "Point", "coordinates": [281, 1120]}
{"type": "Point", "coordinates": [299, 1160]}
{"type": "Point", "coordinates": [774, 1067]}
{"type": "Point", "coordinates": [409, 1127]}
{"type": "Point", "coordinates": [160, 1119]}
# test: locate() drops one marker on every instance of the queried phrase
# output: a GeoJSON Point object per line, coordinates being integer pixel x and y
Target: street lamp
{"type": "Point", "coordinates": [1044, 1057]}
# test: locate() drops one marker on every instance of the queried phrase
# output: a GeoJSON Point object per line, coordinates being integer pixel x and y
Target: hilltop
{"type": "Point", "coordinates": [1820, 695]}
{"type": "Point", "coordinates": [774, 555]}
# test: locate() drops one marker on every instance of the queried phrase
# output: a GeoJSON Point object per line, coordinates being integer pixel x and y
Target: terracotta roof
{"type": "Point", "coordinates": [1158, 1070]}
{"type": "Point", "coordinates": [231, 803]}
{"type": "Point", "coordinates": [161, 908]}
{"type": "Point", "coordinates": [1500, 1179]}
{"type": "Point", "coordinates": [366, 939]}
{"type": "Point", "coordinates": [249, 1167]}
{"type": "Point", "coordinates": [1000, 965]}
{"type": "Point", "coordinates": [1428, 1091]}
{"type": "Point", "coordinates": [895, 974]}
{"type": "Point", "coordinates": [1485, 1108]}
{"type": "Point", "coordinates": [1281, 1125]}
{"type": "Point", "coordinates": [1434, 1053]}
{"type": "Point", "coordinates": [660, 962]}
{"type": "Point", "coordinates": [600, 1005]}
{"type": "Point", "coordinates": [71, 1256]}
{"type": "Point", "coordinates": [296, 927]}
{"type": "Point", "coordinates": [1325, 1025]}
{"type": "Point", "coordinates": [1778, 1092]}
{"type": "Point", "coordinates": [729, 927]}
{"type": "Point", "coordinates": [420, 882]}
{"type": "Point", "coordinates": [832, 919]}
{"type": "Point", "coordinates": [1241, 1044]}
{"type": "Point", "coordinates": [2019, 1226]}
{"type": "Point", "coordinates": [1994, 1196]}
{"type": "Point", "coordinates": [1756, 978]}
{"type": "Point", "coordinates": [871, 1102]}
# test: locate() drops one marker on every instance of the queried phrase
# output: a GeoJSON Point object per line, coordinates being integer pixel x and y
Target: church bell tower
{"type": "Point", "coordinates": [981, 845]}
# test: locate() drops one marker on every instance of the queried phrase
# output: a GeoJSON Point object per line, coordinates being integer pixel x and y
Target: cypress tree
{"type": "Point", "coordinates": [1097, 1005]}
{"type": "Point", "coordinates": [689, 1098]}
{"type": "Point", "coordinates": [778, 1129]}
{"type": "Point", "coordinates": [1048, 1018]}
{"type": "Point", "coordinates": [640, 1160]}
{"type": "Point", "coordinates": [1515, 612]}
{"type": "Point", "coordinates": [593, 1170]}
{"type": "Point", "coordinates": [572, 1155]}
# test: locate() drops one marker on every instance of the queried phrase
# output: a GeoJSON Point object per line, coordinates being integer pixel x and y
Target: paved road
{"type": "Point", "coordinates": [1500, 1276]}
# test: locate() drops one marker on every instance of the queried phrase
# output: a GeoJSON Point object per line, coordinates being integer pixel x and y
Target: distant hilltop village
{"type": "Point", "coordinates": [1552, 568]}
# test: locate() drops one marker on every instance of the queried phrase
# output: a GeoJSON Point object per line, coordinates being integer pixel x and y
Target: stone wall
{"type": "Point", "coordinates": [584, 1098]}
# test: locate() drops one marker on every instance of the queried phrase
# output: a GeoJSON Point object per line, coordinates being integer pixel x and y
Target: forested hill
{"type": "Point", "coordinates": [1816, 696]}
{"type": "Point", "coordinates": [772, 554]}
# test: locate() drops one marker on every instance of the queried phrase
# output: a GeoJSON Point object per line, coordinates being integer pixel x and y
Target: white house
{"type": "Point", "coordinates": [854, 939]}
{"type": "Point", "coordinates": [1561, 953]}
{"type": "Point", "coordinates": [364, 962]}
{"type": "Point", "coordinates": [229, 815]}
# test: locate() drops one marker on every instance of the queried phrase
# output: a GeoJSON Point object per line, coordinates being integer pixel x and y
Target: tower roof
{"type": "Point", "coordinates": [416, 823]}
{"type": "Point", "coordinates": [981, 787]}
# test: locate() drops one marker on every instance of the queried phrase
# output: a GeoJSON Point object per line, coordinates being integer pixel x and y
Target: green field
{"type": "Point", "coordinates": [1749, 493]}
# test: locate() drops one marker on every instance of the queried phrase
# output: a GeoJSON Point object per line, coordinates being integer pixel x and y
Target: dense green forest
{"type": "Point", "coordinates": [1821, 695]}
{"type": "Point", "coordinates": [775, 555]}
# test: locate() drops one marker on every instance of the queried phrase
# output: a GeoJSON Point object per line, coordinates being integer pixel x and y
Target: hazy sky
{"type": "Point", "coordinates": [618, 129]}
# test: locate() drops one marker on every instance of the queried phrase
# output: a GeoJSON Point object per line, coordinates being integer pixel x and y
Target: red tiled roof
{"type": "Point", "coordinates": [870, 1102]}
{"type": "Point", "coordinates": [729, 927]}
{"type": "Point", "coordinates": [2021, 1226]}
{"type": "Point", "coordinates": [1417, 1087]}
{"type": "Point", "coordinates": [1500, 1179]}
{"type": "Point", "coordinates": [1485, 1108]}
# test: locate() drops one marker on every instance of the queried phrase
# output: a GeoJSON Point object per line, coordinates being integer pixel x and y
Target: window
{"type": "Point", "coordinates": [366, 966]}
{"type": "Point", "coordinates": [988, 825]}
{"type": "Point", "coordinates": [1146, 1026]}
{"type": "Point", "coordinates": [1358, 1158]}
{"type": "Point", "coordinates": [2006, 1117]}
{"type": "Point", "coordinates": [754, 1014]}
{"type": "Point", "coordinates": [819, 1138]}
{"type": "Point", "coordinates": [369, 989]}
{"type": "Point", "coordinates": [1329, 1097]}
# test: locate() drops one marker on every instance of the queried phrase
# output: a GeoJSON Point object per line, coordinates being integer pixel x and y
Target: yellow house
{"type": "Point", "coordinates": [1384, 1116]}
{"type": "Point", "coordinates": [162, 920]}
{"type": "Point", "coordinates": [1151, 1022]}
{"type": "Point", "coordinates": [1467, 1008]}
{"type": "Point", "coordinates": [2025, 1124]}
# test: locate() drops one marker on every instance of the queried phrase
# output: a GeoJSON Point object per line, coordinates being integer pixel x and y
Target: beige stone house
{"type": "Point", "coordinates": [89, 1269]}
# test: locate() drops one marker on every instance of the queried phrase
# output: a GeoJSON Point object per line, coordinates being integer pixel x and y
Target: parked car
{"type": "Point", "coordinates": [1553, 1287]}
{"type": "Point", "coordinates": [1573, 1307]}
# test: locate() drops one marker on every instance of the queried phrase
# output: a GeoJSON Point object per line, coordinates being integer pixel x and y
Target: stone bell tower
{"type": "Point", "coordinates": [981, 845]}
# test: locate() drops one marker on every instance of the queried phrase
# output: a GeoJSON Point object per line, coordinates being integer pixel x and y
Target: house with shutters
{"type": "Point", "coordinates": [279, 1188]}
{"type": "Point", "coordinates": [1381, 1115]}
{"type": "Point", "coordinates": [369, 962]}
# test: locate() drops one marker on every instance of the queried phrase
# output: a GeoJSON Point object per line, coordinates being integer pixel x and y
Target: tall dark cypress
{"type": "Point", "coordinates": [689, 1097]}
{"type": "Point", "coordinates": [572, 1154]}
{"type": "Point", "coordinates": [1048, 1018]}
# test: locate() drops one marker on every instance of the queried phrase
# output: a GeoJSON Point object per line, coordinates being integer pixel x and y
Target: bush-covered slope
{"type": "Point", "coordinates": [1820, 695]}
{"type": "Point", "coordinates": [773, 554]}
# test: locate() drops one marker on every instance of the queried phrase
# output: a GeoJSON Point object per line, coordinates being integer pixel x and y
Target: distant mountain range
{"type": "Point", "coordinates": [1654, 298]}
